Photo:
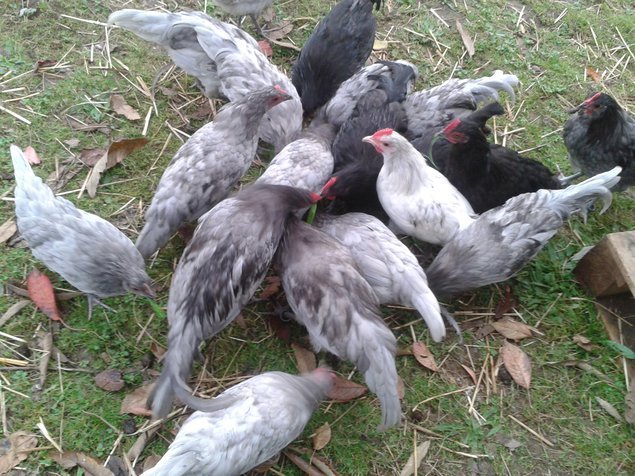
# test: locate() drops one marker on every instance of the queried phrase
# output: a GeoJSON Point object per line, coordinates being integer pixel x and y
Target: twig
{"type": "Point", "coordinates": [533, 432]}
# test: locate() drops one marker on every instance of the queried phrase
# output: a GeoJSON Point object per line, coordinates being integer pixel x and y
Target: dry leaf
{"type": "Point", "coordinates": [265, 47]}
{"type": "Point", "coordinates": [307, 468]}
{"type": "Point", "coordinates": [470, 372]}
{"type": "Point", "coordinates": [279, 30]}
{"type": "Point", "coordinates": [31, 156]}
{"type": "Point", "coordinates": [150, 462]}
{"type": "Point", "coordinates": [511, 329]}
{"type": "Point", "coordinates": [506, 304]}
{"type": "Point", "coordinates": [272, 287]}
{"type": "Point", "coordinates": [403, 351]}
{"type": "Point", "coordinates": [72, 143]}
{"type": "Point", "coordinates": [45, 343]}
{"type": "Point", "coordinates": [380, 45]}
{"type": "Point", "coordinates": [346, 390]}
{"type": "Point", "coordinates": [629, 403]}
{"type": "Point", "coordinates": [91, 156]}
{"type": "Point", "coordinates": [136, 402]}
{"type": "Point", "coordinates": [204, 111]}
{"type": "Point", "coordinates": [41, 293]}
{"type": "Point", "coordinates": [401, 388]}
{"type": "Point", "coordinates": [593, 74]}
{"type": "Point", "coordinates": [424, 356]}
{"type": "Point", "coordinates": [83, 127]}
{"type": "Point", "coordinates": [117, 151]}
{"type": "Point", "coordinates": [321, 437]}
{"type": "Point", "coordinates": [157, 351]}
{"type": "Point", "coordinates": [280, 328]}
{"type": "Point", "coordinates": [70, 459]}
{"type": "Point", "coordinates": [7, 230]}
{"type": "Point", "coordinates": [305, 359]}
{"type": "Point", "coordinates": [583, 342]}
{"type": "Point", "coordinates": [120, 106]}
{"type": "Point", "coordinates": [13, 310]}
{"type": "Point", "coordinates": [15, 449]}
{"type": "Point", "coordinates": [517, 364]}
{"type": "Point", "coordinates": [610, 409]}
{"type": "Point", "coordinates": [109, 380]}
{"type": "Point", "coordinates": [467, 40]}
{"type": "Point", "coordinates": [415, 459]}
{"type": "Point", "coordinates": [41, 64]}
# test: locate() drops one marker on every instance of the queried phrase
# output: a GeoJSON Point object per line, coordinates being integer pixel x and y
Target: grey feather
{"type": "Point", "coordinates": [339, 309]}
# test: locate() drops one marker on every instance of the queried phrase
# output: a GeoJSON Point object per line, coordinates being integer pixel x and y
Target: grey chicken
{"type": "Point", "coordinates": [245, 7]}
{"type": "Point", "coordinates": [502, 240]}
{"type": "Point", "coordinates": [306, 162]}
{"type": "Point", "coordinates": [338, 47]}
{"type": "Point", "coordinates": [340, 310]}
{"type": "Point", "coordinates": [245, 425]}
{"type": "Point", "coordinates": [386, 263]}
{"type": "Point", "coordinates": [226, 60]}
{"type": "Point", "coordinates": [400, 75]}
{"type": "Point", "coordinates": [219, 272]}
{"type": "Point", "coordinates": [429, 111]}
{"type": "Point", "coordinates": [86, 250]}
{"type": "Point", "coordinates": [600, 135]}
{"type": "Point", "coordinates": [206, 168]}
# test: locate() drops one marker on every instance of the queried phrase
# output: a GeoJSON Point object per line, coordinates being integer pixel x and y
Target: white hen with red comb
{"type": "Point", "coordinates": [416, 197]}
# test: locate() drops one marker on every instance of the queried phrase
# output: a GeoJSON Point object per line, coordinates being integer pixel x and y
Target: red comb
{"type": "Point", "coordinates": [382, 133]}
{"type": "Point", "coordinates": [279, 89]}
{"type": "Point", "coordinates": [451, 126]}
{"type": "Point", "coordinates": [328, 185]}
{"type": "Point", "coordinates": [593, 98]}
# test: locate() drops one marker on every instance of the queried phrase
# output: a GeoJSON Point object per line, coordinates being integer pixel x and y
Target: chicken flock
{"type": "Point", "coordinates": [377, 158]}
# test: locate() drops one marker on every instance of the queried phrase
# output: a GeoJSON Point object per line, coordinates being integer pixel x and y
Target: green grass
{"type": "Point", "coordinates": [550, 59]}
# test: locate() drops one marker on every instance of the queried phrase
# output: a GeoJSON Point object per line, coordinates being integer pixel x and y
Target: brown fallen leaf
{"type": "Point", "coordinates": [319, 462]}
{"type": "Point", "coordinates": [42, 294]}
{"type": "Point", "coordinates": [70, 459]}
{"type": "Point", "coordinates": [158, 351]}
{"type": "Point", "coordinates": [13, 310]}
{"type": "Point", "coordinates": [272, 287]}
{"type": "Point", "coordinates": [265, 47]}
{"type": "Point", "coordinates": [506, 304]}
{"type": "Point", "coordinates": [465, 37]}
{"type": "Point", "coordinates": [150, 462]}
{"type": "Point", "coordinates": [593, 74]}
{"type": "Point", "coordinates": [401, 388]}
{"type": "Point", "coordinates": [280, 328]}
{"type": "Point", "coordinates": [304, 466]}
{"type": "Point", "coordinates": [424, 356]}
{"type": "Point", "coordinates": [305, 359]}
{"type": "Point", "coordinates": [41, 64]}
{"type": "Point", "coordinates": [117, 151]}
{"type": "Point", "coordinates": [279, 30]}
{"type": "Point", "coordinates": [415, 459]}
{"type": "Point", "coordinates": [321, 437]}
{"type": "Point", "coordinates": [109, 380]}
{"type": "Point", "coordinates": [45, 344]}
{"type": "Point", "coordinates": [7, 230]}
{"type": "Point", "coordinates": [583, 342]}
{"type": "Point", "coordinates": [87, 127]}
{"type": "Point", "coordinates": [15, 449]}
{"type": "Point", "coordinates": [91, 156]}
{"type": "Point", "coordinates": [31, 156]}
{"type": "Point", "coordinates": [120, 106]}
{"type": "Point", "coordinates": [470, 372]}
{"type": "Point", "coordinates": [346, 390]}
{"type": "Point", "coordinates": [608, 408]}
{"type": "Point", "coordinates": [512, 329]}
{"type": "Point", "coordinates": [204, 111]}
{"type": "Point", "coordinates": [136, 402]}
{"type": "Point", "coordinates": [517, 363]}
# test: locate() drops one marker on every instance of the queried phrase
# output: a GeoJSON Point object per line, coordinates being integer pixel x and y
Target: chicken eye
{"type": "Point", "coordinates": [385, 144]}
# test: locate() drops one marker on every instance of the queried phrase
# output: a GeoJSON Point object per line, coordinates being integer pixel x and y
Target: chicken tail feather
{"type": "Point", "coordinates": [428, 307]}
{"type": "Point", "coordinates": [487, 88]}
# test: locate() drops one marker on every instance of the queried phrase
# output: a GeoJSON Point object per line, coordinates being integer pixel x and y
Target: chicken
{"type": "Point", "coordinates": [219, 272]}
{"type": "Point", "coordinates": [487, 174]}
{"type": "Point", "coordinates": [400, 75]}
{"type": "Point", "coordinates": [418, 199]}
{"type": "Point", "coordinates": [386, 263]}
{"type": "Point", "coordinates": [304, 163]}
{"type": "Point", "coordinates": [245, 425]}
{"type": "Point", "coordinates": [86, 250]}
{"type": "Point", "coordinates": [339, 309]}
{"type": "Point", "coordinates": [601, 135]}
{"type": "Point", "coordinates": [206, 167]}
{"type": "Point", "coordinates": [431, 110]}
{"type": "Point", "coordinates": [497, 245]}
{"type": "Point", "coordinates": [357, 164]}
{"type": "Point", "coordinates": [245, 7]}
{"type": "Point", "coordinates": [338, 47]}
{"type": "Point", "coordinates": [226, 61]}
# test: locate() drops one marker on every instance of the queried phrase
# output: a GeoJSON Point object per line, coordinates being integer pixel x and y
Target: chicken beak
{"type": "Point", "coordinates": [576, 109]}
{"type": "Point", "coordinates": [372, 141]}
{"type": "Point", "coordinates": [146, 291]}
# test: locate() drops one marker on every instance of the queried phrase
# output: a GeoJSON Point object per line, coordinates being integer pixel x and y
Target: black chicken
{"type": "Point", "coordinates": [357, 164]}
{"type": "Point", "coordinates": [600, 136]}
{"type": "Point", "coordinates": [486, 174]}
{"type": "Point", "coordinates": [339, 46]}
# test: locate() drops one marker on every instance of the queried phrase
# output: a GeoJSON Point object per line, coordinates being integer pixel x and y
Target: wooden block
{"type": "Point", "coordinates": [609, 268]}
{"type": "Point", "coordinates": [618, 316]}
